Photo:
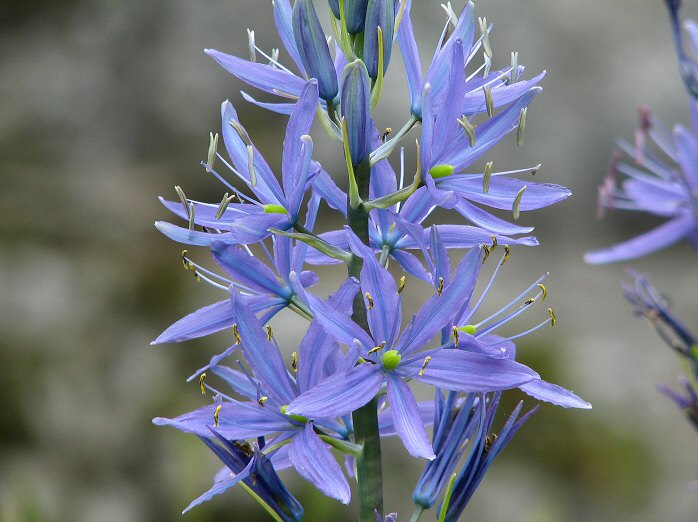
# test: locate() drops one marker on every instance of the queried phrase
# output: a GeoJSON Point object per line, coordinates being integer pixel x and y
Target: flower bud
{"type": "Point", "coordinates": [334, 5]}
{"type": "Point", "coordinates": [356, 110]}
{"type": "Point", "coordinates": [379, 13]}
{"type": "Point", "coordinates": [355, 14]}
{"type": "Point", "coordinates": [313, 49]}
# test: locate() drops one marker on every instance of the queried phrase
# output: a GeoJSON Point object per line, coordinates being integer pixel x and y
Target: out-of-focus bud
{"type": "Point", "coordinates": [379, 13]}
{"type": "Point", "coordinates": [355, 14]}
{"type": "Point", "coordinates": [356, 110]}
{"type": "Point", "coordinates": [313, 49]}
{"type": "Point", "coordinates": [334, 5]}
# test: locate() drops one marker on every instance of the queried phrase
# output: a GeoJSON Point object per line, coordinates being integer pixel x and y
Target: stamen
{"type": "Point", "coordinates": [487, 251]}
{"type": "Point", "coordinates": [456, 337]}
{"type": "Point", "coordinates": [274, 56]}
{"type": "Point", "coordinates": [212, 148]}
{"type": "Point", "coordinates": [242, 133]}
{"type": "Point", "coordinates": [216, 415]}
{"type": "Point", "coordinates": [441, 286]}
{"type": "Point", "coordinates": [545, 291]}
{"type": "Point", "coordinates": [401, 287]}
{"type": "Point", "coordinates": [494, 243]}
{"type": "Point", "coordinates": [294, 361]}
{"type": "Point", "coordinates": [469, 129]}
{"type": "Point", "coordinates": [489, 101]}
{"type": "Point", "coordinates": [377, 348]}
{"type": "Point", "coordinates": [507, 253]}
{"type": "Point", "coordinates": [370, 301]}
{"type": "Point", "coordinates": [238, 339]}
{"type": "Point", "coordinates": [251, 45]}
{"type": "Point", "coordinates": [262, 400]}
{"type": "Point", "coordinates": [270, 333]}
{"type": "Point", "coordinates": [202, 383]}
{"type": "Point", "coordinates": [223, 205]}
{"type": "Point", "coordinates": [553, 317]}
{"type": "Point", "coordinates": [385, 135]}
{"type": "Point", "coordinates": [424, 365]}
{"type": "Point", "coordinates": [183, 199]}
{"type": "Point", "coordinates": [522, 127]}
{"type": "Point", "coordinates": [489, 441]}
{"type": "Point", "coordinates": [514, 67]}
{"type": "Point", "coordinates": [529, 301]}
{"type": "Point", "coordinates": [485, 37]}
{"type": "Point", "coordinates": [192, 213]}
{"type": "Point", "coordinates": [516, 207]}
{"type": "Point", "coordinates": [250, 165]}
{"type": "Point", "coordinates": [487, 177]}
{"type": "Point", "coordinates": [185, 261]}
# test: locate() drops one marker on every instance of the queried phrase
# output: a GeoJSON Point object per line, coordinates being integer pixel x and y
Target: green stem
{"type": "Point", "coordinates": [368, 463]}
{"type": "Point", "coordinates": [417, 514]}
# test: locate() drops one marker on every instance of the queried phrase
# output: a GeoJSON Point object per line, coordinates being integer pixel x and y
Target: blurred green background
{"type": "Point", "coordinates": [104, 105]}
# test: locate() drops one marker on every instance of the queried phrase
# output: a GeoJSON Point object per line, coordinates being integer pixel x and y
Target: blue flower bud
{"type": "Point", "coordinates": [355, 14]}
{"type": "Point", "coordinates": [334, 5]}
{"type": "Point", "coordinates": [356, 110]}
{"type": "Point", "coordinates": [313, 49]}
{"type": "Point", "coordinates": [380, 13]}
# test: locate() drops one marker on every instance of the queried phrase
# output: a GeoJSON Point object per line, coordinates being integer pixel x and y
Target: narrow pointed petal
{"type": "Point", "coordinates": [341, 328]}
{"type": "Point", "coordinates": [474, 101]}
{"type": "Point", "coordinates": [549, 392]}
{"type": "Point", "coordinates": [283, 16]}
{"type": "Point", "coordinates": [315, 463]}
{"type": "Point", "coordinates": [279, 108]}
{"type": "Point", "coordinates": [410, 264]}
{"type": "Point", "coordinates": [459, 370]}
{"type": "Point", "coordinates": [439, 311]}
{"type": "Point", "coordinates": [664, 235]}
{"type": "Point", "coordinates": [466, 236]}
{"type": "Point", "coordinates": [385, 315]}
{"type": "Point", "coordinates": [220, 486]}
{"type": "Point", "coordinates": [387, 424]}
{"type": "Point", "coordinates": [413, 66]}
{"type": "Point", "coordinates": [207, 320]}
{"type": "Point", "coordinates": [407, 419]}
{"type": "Point", "coordinates": [194, 237]}
{"type": "Point", "coordinates": [339, 394]}
{"type": "Point", "coordinates": [264, 77]}
{"type": "Point", "coordinates": [488, 221]}
{"type": "Point", "coordinates": [236, 420]}
{"type": "Point", "coordinates": [248, 269]}
{"type": "Point", "coordinates": [262, 354]}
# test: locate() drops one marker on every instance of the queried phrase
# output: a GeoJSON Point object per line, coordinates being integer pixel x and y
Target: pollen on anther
{"type": "Point", "coordinates": [494, 243]}
{"type": "Point", "coordinates": [424, 366]}
{"type": "Point", "coordinates": [369, 298]}
{"type": "Point", "coordinates": [507, 253]}
{"type": "Point", "coordinates": [400, 288]}
{"type": "Point", "coordinates": [236, 332]}
{"type": "Point", "coordinates": [544, 290]}
{"type": "Point", "coordinates": [262, 400]}
{"type": "Point", "coordinates": [553, 317]}
{"type": "Point", "coordinates": [270, 333]}
{"type": "Point", "coordinates": [216, 415]}
{"type": "Point", "coordinates": [202, 383]}
{"type": "Point", "coordinates": [441, 286]}
{"type": "Point", "coordinates": [294, 361]}
{"type": "Point", "coordinates": [487, 251]}
{"type": "Point", "coordinates": [456, 337]}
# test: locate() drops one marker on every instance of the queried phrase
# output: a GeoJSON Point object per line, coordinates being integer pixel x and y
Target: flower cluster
{"type": "Point", "coordinates": [349, 382]}
{"type": "Point", "coordinates": [662, 182]}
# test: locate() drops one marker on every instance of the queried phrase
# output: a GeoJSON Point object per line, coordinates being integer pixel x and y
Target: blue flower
{"type": "Point", "coordinates": [652, 185]}
{"type": "Point", "coordinates": [387, 358]}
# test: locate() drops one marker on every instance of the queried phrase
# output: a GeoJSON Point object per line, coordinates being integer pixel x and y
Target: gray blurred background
{"type": "Point", "coordinates": [104, 105]}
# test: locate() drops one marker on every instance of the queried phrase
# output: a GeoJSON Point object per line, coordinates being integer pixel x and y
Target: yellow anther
{"type": "Point", "coordinates": [202, 383]}
{"type": "Point", "coordinates": [270, 333]}
{"type": "Point", "coordinates": [456, 337]}
{"type": "Point", "coordinates": [294, 361]}
{"type": "Point", "coordinates": [544, 290]}
{"type": "Point", "coordinates": [262, 400]}
{"type": "Point", "coordinates": [494, 243]}
{"type": "Point", "coordinates": [401, 287]}
{"type": "Point", "coordinates": [489, 101]}
{"type": "Point", "coordinates": [441, 286]}
{"type": "Point", "coordinates": [185, 260]}
{"type": "Point", "coordinates": [385, 135]}
{"type": "Point", "coordinates": [516, 207]}
{"type": "Point", "coordinates": [487, 252]}
{"type": "Point", "coordinates": [553, 317]}
{"type": "Point", "coordinates": [377, 348]}
{"type": "Point", "coordinates": [507, 253]}
{"type": "Point", "coordinates": [489, 441]}
{"type": "Point", "coordinates": [487, 177]}
{"type": "Point", "coordinates": [530, 301]}
{"type": "Point", "coordinates": [522, 127]}
{"type": "Point", "coordinates": [469, 129]}
{"type": "Point", "coordinates": [238, 339]}
{"type": "Point", "coordinates": [370, 301]}
{"type": "Point", "coordinates": [216, 414]}
{"type": "Point", "coordinates": [424, 365]}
